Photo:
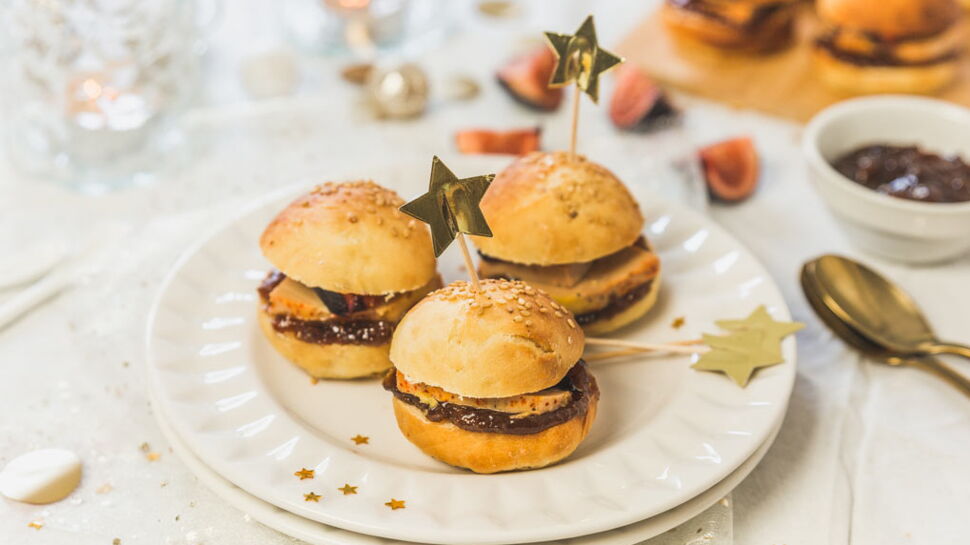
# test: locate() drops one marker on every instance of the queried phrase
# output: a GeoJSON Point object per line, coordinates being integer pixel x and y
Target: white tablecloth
{"type": "Point", "coordinates": [867, 455]}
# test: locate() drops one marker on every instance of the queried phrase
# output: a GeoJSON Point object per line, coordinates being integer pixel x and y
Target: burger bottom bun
{"type": "Point", "coordinates": [327, 360]}
{"type": "Point", "coordinates": [775, 32]}
{"type": "Point", "coordinates": [872, 79]}
{"type": "Point", "coordinates": [630, 314]}
{"type": "Point", "coordinates": [485, 452]}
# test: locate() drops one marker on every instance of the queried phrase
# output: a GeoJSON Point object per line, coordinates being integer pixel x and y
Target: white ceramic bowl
{"type": "Point", "coordinates": [891, 227]}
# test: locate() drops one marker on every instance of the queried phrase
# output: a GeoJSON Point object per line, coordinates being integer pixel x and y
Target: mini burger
{"type": "Point", "coordinates": [348, 266]}
{"type": "Point", "coordinates": [570, 227]}
{"type": "Point", "coordinates": [751, 25]}
{"type": "Point", "coordinates": [889, 46]}
{"type": "Point", "coordinates": [491, 380]}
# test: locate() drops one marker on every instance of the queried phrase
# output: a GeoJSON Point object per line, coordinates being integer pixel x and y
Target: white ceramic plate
{"type": "Point", "coordinates": [321, 534]}
{"type": "Point", "coordinates": [664, 434]}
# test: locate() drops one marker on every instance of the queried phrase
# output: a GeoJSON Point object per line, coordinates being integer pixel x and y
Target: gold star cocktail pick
{"type": "Point", "coordinates": [760, 320]}
{"type": "Point", "coordinates": [450, 208]}
{"type": "Point", "coordinates": [737, 355]}
{"type": "Point", "coordinates": [581, 61]}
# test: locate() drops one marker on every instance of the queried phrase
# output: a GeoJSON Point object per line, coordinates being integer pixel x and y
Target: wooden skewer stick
{"type": "Point", "coordinates": [472, 272]}
{"type": "Point", "coordinates": [609, 354]}
{"type": "Point", "coordinates": [680, 347]}
{"type": "Point", "coordinates": [575, 123]}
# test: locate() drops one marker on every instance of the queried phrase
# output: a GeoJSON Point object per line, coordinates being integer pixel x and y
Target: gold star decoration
{"type": "Point", "coordinates": [737, 355]}
{"type": "Point", "coordinates": [451, 206]}
{"type": "Point", "coordinates": [35, 524]}
{"type": "Point", "coordinates": [395, 504]}
{"type": "Point", "coordinates": [580, 59]}
{"type": "Point", "coordinates": [360, 439]}
{"type": "Point", "coordinates": [347, 489]}
{"type": "Point", "coordinates": [760, 320]}
{"type": "Point", "coordinates": [315, 498]}
{"type": "Point", "coordinates": [304, 473]}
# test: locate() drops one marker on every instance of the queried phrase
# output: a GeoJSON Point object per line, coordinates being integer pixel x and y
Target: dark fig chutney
{"type": "Point", "coordinates": [907, 172]}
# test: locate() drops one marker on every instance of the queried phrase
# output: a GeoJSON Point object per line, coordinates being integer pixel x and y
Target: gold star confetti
{"type": "Point", "coordinates": [152, 456]}
{"type": "Point", "coordinates": [304, 474]}
{"type": "Point", "coordinates": [759, 320]}
{"type": "Point", "coordinates": [395, 504]}
{"type": "Point", "coordinates": [737, 355]}
{"type": "Point", "coordinates": [360, 439]}
{"type": "Point", "coordinates": [450, 206]}
{"type": "Point", "coordinates": [36, 524]}
{"type": "Point", "coordinates": [315, 498]}
{"type": "Point", "coordinates": [581, 59]}
{"type": "Point", "coordinates": [678, 322]}
{"type": "Point", "coordinates": [347, 489]}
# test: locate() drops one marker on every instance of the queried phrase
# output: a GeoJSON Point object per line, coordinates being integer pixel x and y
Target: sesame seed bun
{"type": "Point", "coordinates": [556, 208]}
{"type": "Point", "coordinates": [350, 238]}
{"type": "Point", "coordinates": [492, 452]}
{"type": "Point", "coordinates": [890, 19]}
{"type": "Point", "coordinates": [509, 339]}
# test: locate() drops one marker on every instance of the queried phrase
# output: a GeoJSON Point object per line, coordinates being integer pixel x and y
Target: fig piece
{"type": "Point", "coordinates": [638, 102]}
{"type": "Point", "coordinates": [512, 142]}
{"type": "Point", "coordinates": [526, 79]}
{"type": "Point", "coordinates": [731, 168]}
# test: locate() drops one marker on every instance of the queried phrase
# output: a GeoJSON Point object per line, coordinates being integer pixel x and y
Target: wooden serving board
{"type": "Point", "coordinates": [782, 83]}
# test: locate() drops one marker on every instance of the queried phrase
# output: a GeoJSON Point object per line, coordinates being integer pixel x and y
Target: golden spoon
{"type": "Point", "coordinates": [878, 309]}
{"type": "Point", "coordinates": [817, 298]}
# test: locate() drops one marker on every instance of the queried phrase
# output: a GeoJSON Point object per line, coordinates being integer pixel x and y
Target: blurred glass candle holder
{"type": "Point", "coordinates": [93, 89]}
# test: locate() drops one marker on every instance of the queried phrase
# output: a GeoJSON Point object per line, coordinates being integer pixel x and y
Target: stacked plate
{"type": "Point", "coordinates": [668, 441]}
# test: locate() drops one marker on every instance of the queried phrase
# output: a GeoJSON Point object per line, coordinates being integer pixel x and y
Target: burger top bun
{"type": "Point", "coordinates": [351, 238]}
{"type": "Point", "coordinates": [891, 19]}
{"type": "Point", "coordinates": [556, 208]}
{"type": "Point", "coordinates": [506, 340]}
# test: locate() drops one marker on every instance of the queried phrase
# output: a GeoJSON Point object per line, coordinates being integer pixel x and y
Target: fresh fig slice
{"type": "Point", "coordinates": [731, 168]}
{"type": "Point", "coordinates": [513, 142]}
{"type": "Point", "coordinates": [526, 79]}
{"type": "Point", "coordinates": [638, 102]}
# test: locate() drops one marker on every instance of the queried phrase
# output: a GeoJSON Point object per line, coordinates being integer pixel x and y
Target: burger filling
{"type": "Point", "coordinates": [320, 316]}
{"type": "Point", "coordinates": [742, 14]}
{"type": "Point", "coordinates": [867, 49]}
{"type": "Point", "coordinates": [594, 290]}
{"type": "Point", "coordinates": [518, 415]}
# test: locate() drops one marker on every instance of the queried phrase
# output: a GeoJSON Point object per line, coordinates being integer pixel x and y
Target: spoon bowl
{"type": "Point", "coordinates": [877, 308]}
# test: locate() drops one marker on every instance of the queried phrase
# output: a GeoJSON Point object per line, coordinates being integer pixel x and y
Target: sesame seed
{"type": "Point", "coordinates": [558, 314]}
{"type": "Point", "coordinates": [571, 322]}
{"type": "Point", "coordinates": [517, 318]}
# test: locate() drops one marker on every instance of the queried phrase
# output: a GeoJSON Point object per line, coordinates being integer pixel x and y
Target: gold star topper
{"type": "Point", "coordinates": [581, 59]}
{"type": "Point", "coordinates": [737, 355]}
{"type": "Point", "coordinates": [760, 320]}
{"type": "Point", "coordinates": [450, 207]}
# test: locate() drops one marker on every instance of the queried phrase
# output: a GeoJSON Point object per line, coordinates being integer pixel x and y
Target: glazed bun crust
{"type": "Point", "coordinates": [856, 79]}
{"type": "Point", "coordinates": [327, 361]}
{"type": "Point", "coordinates": [628, 315]}
{"type": "Point", "coordinates": [484, 452]}
{"type": "Point", "coordinates": [350, 238]}
{"type": "Point", "coordinates": [891, 19]}
{"type": "Point", "coordinates": [555, 208]}
{"type": "Point", "coordinates": [774, 32]}
{"type": "Point", "coordinates": [509, 339]}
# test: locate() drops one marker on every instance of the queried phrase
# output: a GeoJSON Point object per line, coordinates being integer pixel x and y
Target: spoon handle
{"type": "Point", "coordinates": [952, 348]}
{"type": "Point", "coordinates": [945, 372]}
